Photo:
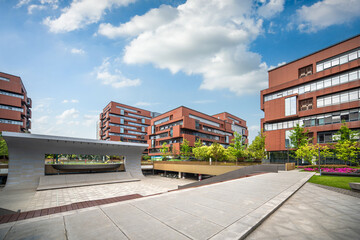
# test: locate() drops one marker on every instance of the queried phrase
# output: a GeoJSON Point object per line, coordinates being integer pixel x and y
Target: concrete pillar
{"type": "Point", "coordinates": [179, 175]}
{"type": "Point", "coordinates": [199, 178]}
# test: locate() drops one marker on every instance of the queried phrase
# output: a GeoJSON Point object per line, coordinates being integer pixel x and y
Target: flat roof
{"type": "Point", "coordinates": [315, 52]}
{"type": "Point", "coordinates": [30, 136]}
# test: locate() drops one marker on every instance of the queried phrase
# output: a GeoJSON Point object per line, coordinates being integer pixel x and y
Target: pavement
{"type": "Point", "coordinates": [27, 200]}
{"type": "Point", "coordinates": [226, 210]}
{"type": "Point", "coordinates": [313, 213]}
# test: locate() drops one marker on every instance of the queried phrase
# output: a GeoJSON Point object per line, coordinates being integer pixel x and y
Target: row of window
{"type": "Point", "coordinates": [331, 136]}
{"type": "Point", "coordinates": [11, 108]}
{"type": "Point", "coordinates": [204, 120]}
{"type": "Point", "coordinates": [133, 132]}
{"type": "Point", "coordinates": [317, 120]}
{"type": "Point", "coordinates": [171, 125]}
{"type": "Point", "coordinates": [11, 122]}
{"type": "Point", "coordinates": [123, 126]}
{"type": "Point", "coordinates": [317, 85]}
{"type": "Point", "coordinates": [338, 60]}
{"type": "Point", "coordinates": [139, 116]}
{"type": "Point", "coordinates": [11, 94]}
{"type": "Point", "coordinates": [128, 118]}
{"type": "Point", "coordinates": [127, 109]}
{"type": "Point", "coordinates": [137, 124]}
{"type": "Point", "coordinates": [338, 98]}
{"type": "Point", "coordinates": [160, 121]}
{"type": "Point", "coordinates": [216, 131]}
{"type": "Point", "coordinates": [234, 120]}
{"type": "Point", "coordinates": [161, 135]}
{"type": "Point", "coordinates": [122, 135]}
{"type": "Point", "coordinates": [201, 135]}
{"type": "Point", "coordinates": [238, 129]}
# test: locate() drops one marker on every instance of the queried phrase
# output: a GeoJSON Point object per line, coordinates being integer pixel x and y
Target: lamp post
{"type": "Point", "coordinates": [319, 160]}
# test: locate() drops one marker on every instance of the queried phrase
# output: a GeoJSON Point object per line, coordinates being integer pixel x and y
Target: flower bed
{"type": "Point", "coordinates": [333, 170]}
{"type": "Point", "coordinates": [324, 166]}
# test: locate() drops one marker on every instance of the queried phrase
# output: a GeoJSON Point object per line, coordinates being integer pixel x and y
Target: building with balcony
{"type": "Point", "coordinates": [318, 92]}
{"type": "Point", "coordinates": [120, 122]}
{"type": "Point", "coordinates": [185, 123]}
{"type": "Point", "coordinates": [15, 105]}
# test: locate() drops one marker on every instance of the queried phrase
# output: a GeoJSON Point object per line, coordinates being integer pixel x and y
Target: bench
{"type": "Point", "coordinates": [355, 186]}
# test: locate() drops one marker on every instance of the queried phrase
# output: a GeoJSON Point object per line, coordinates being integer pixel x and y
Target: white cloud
{"type": "Point", "coordinates": [278, 65]}
{"type": "Point", "coordinates": [210, 38]}
{"type": "Point", "coordinates": [68, 117]}
{"type": "Point", "coordinates": [77, 51]}
{"type": "Point", "coordinates": [138, 24]}
{"type": "Point", "coordinates": [33, 7]}
{"type": "Point", "coordinates": [110, 75]}
{"type": "Point", "coordinates": [81, 13]}
{"type": "Point", "coordinates": [22, 3]}
{"type": "Point", "coordinates": [270, 8]}
{"type": "Point", "coordinates": [70, 101]}
{"type": "Point", "coordinates": [323, 14]}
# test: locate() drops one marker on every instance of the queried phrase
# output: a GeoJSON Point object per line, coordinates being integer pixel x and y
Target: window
{"type": "Point", "coordinates": [305, 71]}
{"type": "Point", "coordinates": [197, 124]}
{"type": "Point", "coordinates": [121, 121]}
{"type": "Point", "coordinates": [204, 120]}
{"type": "Point", "coordinates": [290, 106]}
{"type": "Point", "coordinates": [121, 130]}
{"type": "Point", "coordinates": [5, 79]}
{"type": "Point", "coordinates": [353, 76]}
{"type": "Point", "coordinates": [152, 129]}
{"type": "Point", "coordinates": [320, 102]}
{"type": "Point", "coordinates": [161, 121]}
{"type": "Point", "coordinates": [143, 120]}
{"type": "Point", "coordinates": [339, 59]}
{"type": "Point", "coordinates": [306, 104]}
{"type": "Point", "coordinates": [143, 129]}
{"type": "Point", "coordinates": [344, 78]}
{"type": "Point", "coordinates": [122, 111]}
{"type": "Point", "coordinates": [11, 94]}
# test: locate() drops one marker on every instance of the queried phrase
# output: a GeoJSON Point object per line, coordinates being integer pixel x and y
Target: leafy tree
{"type": "Point", "coordinates": [146, 157]}
{"type": "Point", "coordinates": [201, 152]}
{"type": "Point", "coordinates": [165, 151]}
{"type": "Point", "coordinates": [216, 151]}
{"type": "Point", "coordinates": [3, 148]}
{"type": "Point", "coordinates": [299, 137]}
{"type": "Point", "coordinates": [230, 154]}
{"type": "Point", "coordinates": [185, 149]}
{"type": "Point", "coordinates": [347, 151]}
{"type": "Point", "coordinates": [257, 147]}
{"type": "Point", "coordinates": [198, 143]}
{"type": "Point", "coordinates": [237, 147]}
{"type": "Point", "coordinates": [310, 152]}
{"type": "Point", "coordinates": [345, 133]}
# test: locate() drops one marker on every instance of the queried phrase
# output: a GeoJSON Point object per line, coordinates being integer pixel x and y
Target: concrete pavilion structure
{"type": "Point", "coordinates": [27, 159]}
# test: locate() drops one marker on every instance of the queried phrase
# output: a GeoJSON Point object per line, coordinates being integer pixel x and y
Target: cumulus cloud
{"type": "Point", "coordinates": [270, 8]}
{"type": "Point", "coordinates": [110, 75]}
{"type": "Point", "coordinates": [68, 117]}
{"type": "Point", "coordinates": [203, 101]}
{"type": "Point", "coordinates": [138, 24]}
{"type": "Point", "coordinates": [81, 13]}
{"type": "Point", "coordinates": [206, 37]}
{"type": "Point", "coordinates": [78, 51]}
{"type": "Point", "coordinates": [22, 3]}
{"type": "Point", "coordinates": [38, 5]}
{"type": "Point", "coordinates": [323, 14]}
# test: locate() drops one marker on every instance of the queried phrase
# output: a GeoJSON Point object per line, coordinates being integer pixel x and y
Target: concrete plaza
{"type": "Point", "coordinates": [227, 210]}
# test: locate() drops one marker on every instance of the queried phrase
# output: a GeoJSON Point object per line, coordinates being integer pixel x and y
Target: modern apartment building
{"type": "Point", "coordinates": [15, 106]}
{"type": "Point", "coordinates": [318, 91]}
{"type": "Point", "coordinates": [185, 123]}
{"type": "Point", "coordinates": [120, 122]}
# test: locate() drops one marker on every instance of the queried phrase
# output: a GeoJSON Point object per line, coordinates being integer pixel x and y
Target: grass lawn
{"type": "Point", "coordinates": [334, 181]}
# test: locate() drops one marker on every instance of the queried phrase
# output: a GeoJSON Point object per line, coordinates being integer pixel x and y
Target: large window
{"type": "Point", "coordinates": [317, 85]}
{"type": "Point", "coordinates": [338, 98]}
{"type": "Point", "coordinates": [290, 106]}
{"type": "Point", "coordinates": [204, 120]}
{"type": "Point", "coordinates": [317, 120]}
{"type": "Point", "coordinates": [11, 94]}
{"type": "Point", "coordinates": [305, 71]}
{"type": "Point", "coordinates": [338, 60]}
{"type": "Point", "coordinates": [161, 121]}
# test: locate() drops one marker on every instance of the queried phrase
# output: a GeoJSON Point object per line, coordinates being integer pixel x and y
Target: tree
{"type": "Point", "coordinates": [185, 149]}
{"type": "Point", "coordinates": [306, 152]}
{"type": "Point", "coordinates": [201, 152]}
{"type": "Point", "coordinates": [216, 151]}
{"type": "Point", "coordinates": [237, 147]}
{"type": "Point", "coordinates": [345, 133]}
{"type": "Point", "coordinates": [198, 143]}
{"type": "Point", "coordinates": [165, 151]}
{"type": "Point", "coordinates": [257, 147]}
{"type": "Point", "coordinates": [298, 138]}
{"type": "Point", "coordinates": [347, 151]}
{"type": "Point", "coordinates": [3, 148]}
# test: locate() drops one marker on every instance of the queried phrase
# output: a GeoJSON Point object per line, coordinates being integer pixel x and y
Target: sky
{"type": "Point", "coordinates": [76, 56]}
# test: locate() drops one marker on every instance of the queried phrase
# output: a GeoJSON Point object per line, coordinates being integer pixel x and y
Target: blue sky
{"type": "Point", "coordinates": [74, 57]}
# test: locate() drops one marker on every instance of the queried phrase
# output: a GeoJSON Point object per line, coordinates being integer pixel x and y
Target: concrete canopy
{"type": "Point", "coordinates": [27, 155]}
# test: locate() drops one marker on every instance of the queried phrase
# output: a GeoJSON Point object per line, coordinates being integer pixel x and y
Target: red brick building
{"type": "Point", "coordinates": [318, 91]}
{"type": "Point", "coordinates": [120, 122]}
{"type": "Point", "coordinates": [185, 123]}
{"type": "Point", "coordinates": [15, 106]}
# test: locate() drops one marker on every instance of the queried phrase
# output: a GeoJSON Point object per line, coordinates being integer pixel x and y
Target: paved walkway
{"type": "Point", "coordinates": [32, 200]}
{"type": "Point", "coordinates": [226, 210]}
{"type": "Point", "coordinates": [313, 213]}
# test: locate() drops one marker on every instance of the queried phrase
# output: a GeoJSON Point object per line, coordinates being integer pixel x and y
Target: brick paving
{"type": "Point", "coordinates": [70, 207]}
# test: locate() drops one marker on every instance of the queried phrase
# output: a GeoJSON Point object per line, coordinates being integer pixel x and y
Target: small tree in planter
{"type": "Point", "coordinates": [165, 152]}
{"type": "Point", "coordinates": [185, 149]}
